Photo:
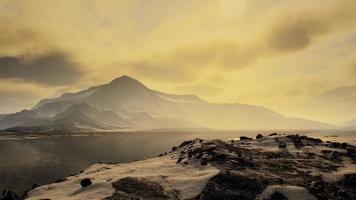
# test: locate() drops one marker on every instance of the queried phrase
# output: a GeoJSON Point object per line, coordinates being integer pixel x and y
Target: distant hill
{"type": "Point", "coordinates": [125, 103]}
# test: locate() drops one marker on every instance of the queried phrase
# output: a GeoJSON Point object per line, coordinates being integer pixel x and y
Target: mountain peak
{"type": "Point", "coordinates": [126, 81]}
{"type": "Point", "coordinates": [123, 78]}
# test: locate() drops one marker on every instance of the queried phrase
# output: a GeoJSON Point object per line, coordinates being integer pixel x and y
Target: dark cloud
{"type": "Point", "coordinates": [53, 69]}
{"type": "Point", "coordinates": [297, 32]}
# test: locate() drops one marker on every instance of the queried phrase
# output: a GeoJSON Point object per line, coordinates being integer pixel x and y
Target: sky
{"type": "Point", "coordinates": [294, 57]}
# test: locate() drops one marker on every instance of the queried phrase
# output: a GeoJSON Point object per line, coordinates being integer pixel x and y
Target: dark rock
{"type": "Point", "coordinates": [259, 136]}
{"type": "Point", "coordinates": [344, 145]}
{"type": "Point", "coordinates": [144, 189]}
{"type": "Point", "coordinates": [34, 186]}
{"type": "Point", "coordinates": [282, 145]}
{"type": "Point", "coordinates": [60, 180]}
{"type": "Point", "coordinates": [230, 186]}
{"type": "Point", "coordinates": [277, 196]}
{"type": "Point", "coordinates": [326, 151]}
{"type": "Point", "coordinates": [351, 152]}
{"type": "Point", "coordinates": [203, 162]}
{"type": "Point", "coordinates": [160, 155]}
{"type": "Point", "coordinates": [85, 182]}
{"type": "Point", "coordinates": [349, 180]}
{"type": "Point", "coordinates": [245, 138]}
{"type": "Point", "coordinates": [174, 148]}
{"type": "Point", "coordinates": [336, 156]}
{"type": "Point", "coordinates": [185, 143]}
{"type": "Point", "coordinates": [179, 160]}
{"type": "Point", "coordinates": [335, 144]}
{"type": "Point", "coordinates": [8, 195]}
{"type": "Point", "coordinates": [273, 134]}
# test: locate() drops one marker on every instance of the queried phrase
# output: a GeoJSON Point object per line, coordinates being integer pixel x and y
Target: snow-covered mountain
{"type": "Point", "coordinates": [125, 103]}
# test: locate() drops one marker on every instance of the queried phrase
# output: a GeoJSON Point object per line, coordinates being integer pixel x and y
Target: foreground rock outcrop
{"type": "Point", "coordinates": [269, 167]}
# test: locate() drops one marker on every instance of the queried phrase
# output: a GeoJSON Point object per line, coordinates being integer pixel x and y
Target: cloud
{"type": "Point", "coordinates": [52, 69]}
{"type": "Point", "coordinates": [298, 29]}
{"type": "Point", "coordinates": [344, 94]}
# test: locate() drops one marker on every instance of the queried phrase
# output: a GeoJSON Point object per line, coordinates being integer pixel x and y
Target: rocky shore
{"type": "Point", "coordinates": [272, 167]}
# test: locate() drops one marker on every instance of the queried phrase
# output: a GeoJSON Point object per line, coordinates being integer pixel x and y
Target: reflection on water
{"type": "Point", "coordinates": [41, 161]}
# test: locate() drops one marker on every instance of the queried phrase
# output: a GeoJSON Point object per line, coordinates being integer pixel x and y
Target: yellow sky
{"type": "Point", "coordinates": [294, 57]}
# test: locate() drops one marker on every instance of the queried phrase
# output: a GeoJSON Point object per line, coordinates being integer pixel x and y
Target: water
{"type": "Point", "coordinates": [27, 161]}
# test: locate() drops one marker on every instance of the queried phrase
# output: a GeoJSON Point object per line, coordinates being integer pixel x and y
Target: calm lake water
{"type": "Point", "coordinates": [24, 162]}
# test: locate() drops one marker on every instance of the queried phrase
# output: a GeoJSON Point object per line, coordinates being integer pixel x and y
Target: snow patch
{"type": "Point", "coordinates": [290, 192]}
{"type": "Point", "coordinates": [188, 179]}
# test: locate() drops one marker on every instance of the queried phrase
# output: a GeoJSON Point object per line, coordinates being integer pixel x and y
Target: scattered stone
{"type": "Point", "coordinates": [259, 136]}
{"type": "Point", "coordinates": [85, 182]}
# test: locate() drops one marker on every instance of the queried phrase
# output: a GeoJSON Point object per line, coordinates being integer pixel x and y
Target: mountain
{"type": "Point", "coordinates": [125, 103]}
{"type": "Point", "coordinates": [350, 125]}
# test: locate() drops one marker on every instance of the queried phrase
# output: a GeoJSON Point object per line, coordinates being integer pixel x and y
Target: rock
{"type": "Point", "coordinates": [139, 188]}
{"type": "Point", "coordinates": [282, 145]}
{"type": "Point", "coordinates": [259, 136]}
{"type": "Point", "coordinates": [174, 148]}
{"type": "Point", "coordinates": [60, 180]}
{"type": "Point", "coordinates": [85, 182]}
{"type": "Point", "coordinates": [343, 145]}
{"type": "Point", "coordinates": [335, 144]}
{"type": "Point", "coordinates": [277, 196]}
{"type": "Point", "coordinates": [8, 195]}
{"type": "Point", "coordinates": [34, 186]}
{"type": "Point", "coordinates": [227, 185]}
{"type": "Point", "coordinates": [273, 134]}
{"type": "Point", "coordinates": [185, 143]}
{"type": "Point", "coordinates": [245, 138]}
{"type": "Point", "coordinates": [326, 151]}
{"type": "Point", "coordinates": [349, 180]}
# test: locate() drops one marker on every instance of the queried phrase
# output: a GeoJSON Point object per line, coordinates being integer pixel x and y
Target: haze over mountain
{"type": "Point", "coordinates": [127, 104]}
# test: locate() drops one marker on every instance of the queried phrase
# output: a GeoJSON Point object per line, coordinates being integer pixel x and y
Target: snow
{"type": "Point", "coordinates": [290, 192]}
{"type": "Point", "coordinates": [189, 179]}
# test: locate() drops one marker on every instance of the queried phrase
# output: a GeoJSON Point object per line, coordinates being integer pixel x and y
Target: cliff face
{"type": "Point", "coordinates": [270, 167]}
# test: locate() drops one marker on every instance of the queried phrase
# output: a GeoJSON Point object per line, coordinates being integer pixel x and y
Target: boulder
{"type": "Point", "coordinates": [228, 185]}
{"type": "Point", "coordinates": [277, 196]}
{"type": "Point", "coordinates": [85, 182]}
{"type": "Point", "coordinates": [349, 180]}
{"type": "Point", "coordinates": [245, 138]}
{"type": "Point", "coordinates": [259, 136]}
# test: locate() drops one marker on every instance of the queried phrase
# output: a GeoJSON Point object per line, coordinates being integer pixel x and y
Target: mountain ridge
{"type": "Point", "coordinates": [126, 98]}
